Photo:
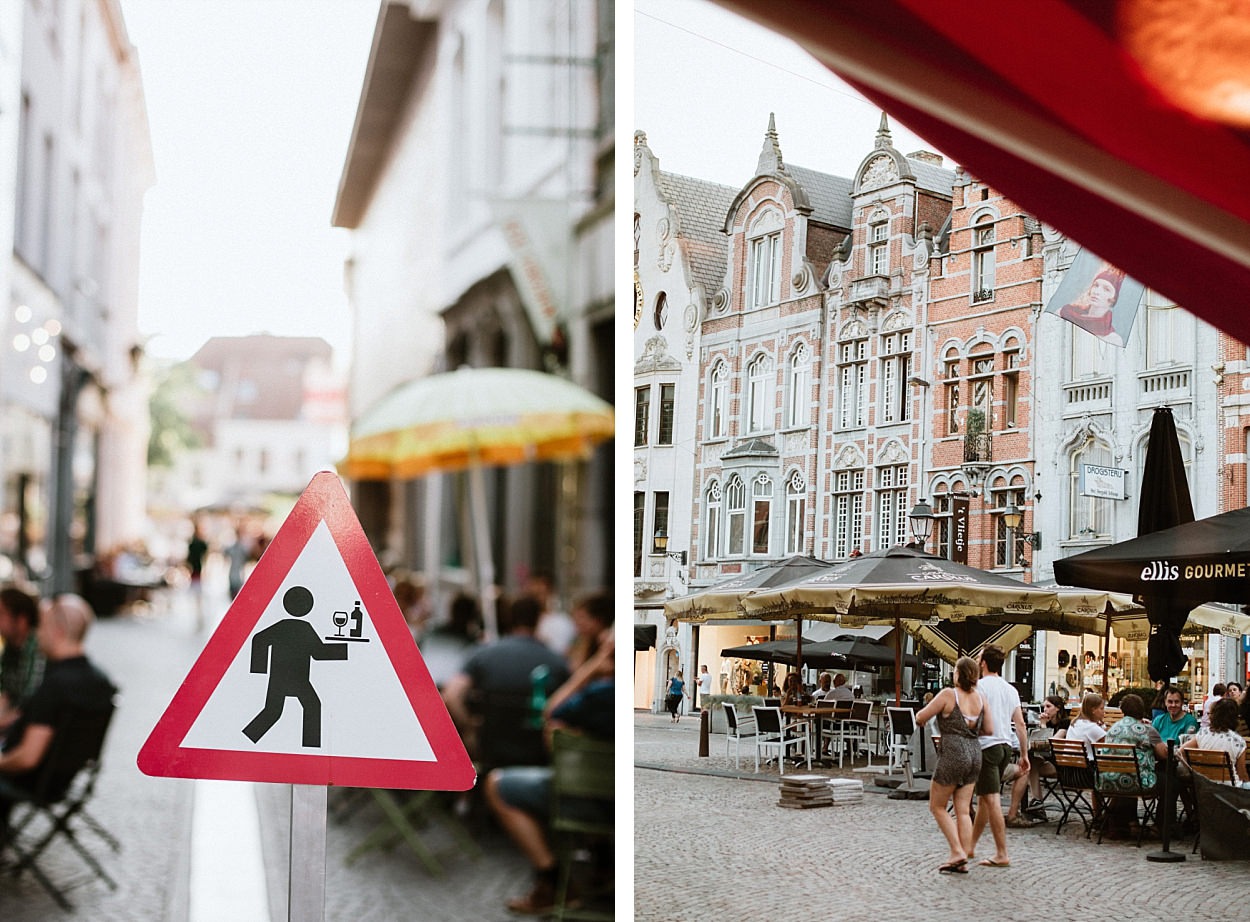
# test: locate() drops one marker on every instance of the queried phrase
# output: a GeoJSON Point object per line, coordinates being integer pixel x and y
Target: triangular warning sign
{"type": "Point", "coordinates": [312, 677]}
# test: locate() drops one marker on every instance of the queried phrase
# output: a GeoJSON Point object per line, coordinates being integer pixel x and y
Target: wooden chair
{"type": "Point", "coordinates": [1076, 780]}
{"type": "Point", "coordinates": [772, 733]}
{"type": "Point", "coordinates": [1215, 764]}
{"type": "Point", "coordinates": [1117, 760]}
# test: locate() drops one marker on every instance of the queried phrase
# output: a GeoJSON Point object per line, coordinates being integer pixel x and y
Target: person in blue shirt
{"type": "Point", "coordinates": [1175, 722]}
{"type": "Point", "coordinates": [676, 688]}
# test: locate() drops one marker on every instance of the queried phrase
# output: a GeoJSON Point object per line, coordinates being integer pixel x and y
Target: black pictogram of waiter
{"type": "Point", "coordinates": [286, 651]}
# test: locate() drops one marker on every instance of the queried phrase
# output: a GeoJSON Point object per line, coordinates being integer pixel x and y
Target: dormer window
{"type": "Point", "coordinates": [764, 286]}
{"type": "Point", "coordinates": [878, 248]}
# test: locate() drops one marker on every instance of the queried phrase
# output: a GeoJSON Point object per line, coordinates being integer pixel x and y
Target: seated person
{"type": "Point", "coordinates": [1088, 726]}
{"type": "Point", "coordinates": [1222, 734]}
{"type": "Point", "coordinates": [1218, 691]}
{"type": "Point", "coordinates": [1175, 722]}
{"type": "Point", "coordinates": [70, 683]}
{"type": "Point", "coordinates": [520, 796]}
{"type": "Point", "coordinates": [824, 684]}
{"type": "Point", "coordinates": [840, 691]}
{"type": "Point", "coordinates": [1133, 730]}
{"type": "Point", "coordinates": [21, 660]}
{"type": "Point", "coordinates": [1052, 722]}
{"type": "Point", "coordinates": [792, 693]}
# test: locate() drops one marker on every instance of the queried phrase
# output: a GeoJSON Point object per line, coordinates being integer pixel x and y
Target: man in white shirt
{"type": "Point", "coordinates": [841, 691]}
{"type": "Point", "coordinates": [705, 686]}
{"type": "Point", "coordinates": [1004, 704]}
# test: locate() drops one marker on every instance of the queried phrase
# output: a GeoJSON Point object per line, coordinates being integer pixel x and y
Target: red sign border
{"type": "Point", "coordinates": [163, 754]}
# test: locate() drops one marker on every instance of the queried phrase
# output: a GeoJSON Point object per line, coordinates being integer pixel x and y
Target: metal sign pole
{"type": "Point", "coordinates": [306, 895]}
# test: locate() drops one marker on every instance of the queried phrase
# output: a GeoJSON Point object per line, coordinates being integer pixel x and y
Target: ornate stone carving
{"type": "Point", "coordinates": [640, 470]}
{"type": "Point", "coordinates": [664, 235]}
{"type": "Point", "coordinates": [879, 171]}
{"type": "Point", "coordinates": [802, 279]}
{"type": "Point", "coordinates": [656, 357]}
{"type": "Point", "coordinates": [848, 457]}
{"type": "Point", "coordinates": [892, 453]}
{"type": "Point", "coordinates": [690, 318]}
{"type": "Point", "coordinates": [795, 443]}
{"type": "Point", "coordinates": [720, 301]}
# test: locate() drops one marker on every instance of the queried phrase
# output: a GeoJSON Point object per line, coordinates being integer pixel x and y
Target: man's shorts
{"type": "Point", "coordinates": [993, 761]}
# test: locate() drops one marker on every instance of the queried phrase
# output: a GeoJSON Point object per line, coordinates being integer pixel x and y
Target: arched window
{"type": "Point", "coordinates": [735, 516]}
{"type": "Point", "coordinates": [798, 387]}
{"type": "Point", "coordinates": [711, 522]}
{"type": "Point", "coordinates": [1090, 515]}
{"type": "Point", "coordinates": [759, 402]}
{"type": "Point", "coordinates": [796, 513]}
{"type": "Point", "coordinates": [983, 259]}
{"type": "Point", "coordinates": [718, 402]}
{"type": "Point", "coordinates": [761, 514]}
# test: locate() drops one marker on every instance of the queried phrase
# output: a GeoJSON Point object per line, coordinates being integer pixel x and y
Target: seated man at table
{"type": "Point", "coordinates": [840, 691]}
{"type": "Point", "coordinates": [520, 796]}
{"type": "Point", "coordinates": [1175, 722]}
{"type": "Point", "coordinates": [823, 688]}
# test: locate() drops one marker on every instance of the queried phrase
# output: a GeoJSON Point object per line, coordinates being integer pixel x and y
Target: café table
{"type": "Point", "coordinates": [814, 715]}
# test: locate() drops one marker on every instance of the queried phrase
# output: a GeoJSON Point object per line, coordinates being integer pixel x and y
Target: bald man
{"type": "Point", "coordinates": [70, 684]}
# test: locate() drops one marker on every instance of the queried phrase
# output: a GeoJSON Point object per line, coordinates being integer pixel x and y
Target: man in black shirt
{"type": "Point", "coordinates": [70, 684]}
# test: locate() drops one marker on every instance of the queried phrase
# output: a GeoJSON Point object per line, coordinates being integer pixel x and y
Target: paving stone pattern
{"type": "Point", "coordinates": [711, 843]}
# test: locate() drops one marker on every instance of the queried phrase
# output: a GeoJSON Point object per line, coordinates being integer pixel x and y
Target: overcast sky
{"type": "Point", "coordinates": [706, 80]}
{"type": "Point", "coordinates": [251, 104]}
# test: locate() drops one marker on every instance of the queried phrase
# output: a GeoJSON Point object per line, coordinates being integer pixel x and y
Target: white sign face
{"type": "Point", "coordinates": [364, 711]}
{"type": "Point", "coordinates": [1103, 482]}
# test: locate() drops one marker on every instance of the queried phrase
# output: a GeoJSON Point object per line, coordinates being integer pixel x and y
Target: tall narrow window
{"type": "Point", "coordinates": [640, 514]}
{"type": "Point", "coordinates": [796, 513]}
{"type": "Point", "coordinates": [894, 403]}
{"type": "Point", "coordinates": [848, 512]}
{"type": "Point", "coordinates": [1008, 542]}
{"type": "Point", "coordinates": [735, 516]}
{"type": "Point", "coordinates": [642, 414]}
{"type": "Point", "coordinates": [852, 383]}
{"type": "Point", "coordinates": [637, 237]}
{"type": "Point", "coordinates": [1169, 332]}
{"type": "Point", "coordinates": [759, 395]}
{"type": "Point", "coordinates": [891, 506]}
{"type": "Point", "coordinates": [718, 402]}
{"type": "Point", "coordinates": [659, 514]}
{"type": "Point", "coordinates": [983, 259]}
{"type": "Point", "coordinates": [1011, 389]}
{"type": "Point", "coordinates": [981, 385]}
{"type": "Point", "coordinates": [765, 270]}
{"type": "Point", "coordinates": [668, 394]}
{"type": "Point", "coordinates": [950, 377]}
{"type": "Point", "coordinates": [711, 522]}
{"type": "Point", "coordinates": [761, 513]}
{"type": "Point", "coordinates": [942, 525]}
{"type": "Point", "coordinates": [879, 248]}
{"type": "Point", "coordinates": [798, 387]}
{"type": "Point", "coordinates": [1090, 515]}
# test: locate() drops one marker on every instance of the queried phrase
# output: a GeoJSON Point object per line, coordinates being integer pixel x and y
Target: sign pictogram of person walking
{"type": "Point", "coordinates": [286, 650]}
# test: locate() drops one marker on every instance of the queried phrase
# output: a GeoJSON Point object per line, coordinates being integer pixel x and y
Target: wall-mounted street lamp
{"type": "Point", "coordinates": [921, 521]}
{"type": "Point", "coordinates": [1013, 518]}
{"type": "Point", "coordinates": [659, 545]}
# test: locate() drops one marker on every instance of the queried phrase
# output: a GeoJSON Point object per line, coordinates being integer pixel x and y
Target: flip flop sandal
{"type": "Point", "coordinates": [955, 867]}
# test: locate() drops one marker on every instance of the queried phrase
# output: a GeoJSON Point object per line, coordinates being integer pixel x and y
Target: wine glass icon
{"type": "Point", "coordinates": [340, 622]}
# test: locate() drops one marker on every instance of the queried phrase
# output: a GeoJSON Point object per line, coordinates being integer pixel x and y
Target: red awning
{"type": "Point", "coordinates": [1084, 112]}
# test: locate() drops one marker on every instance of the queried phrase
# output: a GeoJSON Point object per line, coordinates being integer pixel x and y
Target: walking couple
{"type": "Point", "coordinates": [977, 719]}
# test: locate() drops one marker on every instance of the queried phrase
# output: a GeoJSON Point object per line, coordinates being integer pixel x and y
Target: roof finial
{"type": "Point", "coordinates": [883, 132]}
{"type": "Point", "coordinates": [770, 156]}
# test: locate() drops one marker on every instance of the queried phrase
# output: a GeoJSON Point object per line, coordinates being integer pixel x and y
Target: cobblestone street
{"type": "Point", "coordinates": [711, 843]}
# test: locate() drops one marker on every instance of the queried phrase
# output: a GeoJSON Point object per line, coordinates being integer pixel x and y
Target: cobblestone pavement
{"type": "Point", "coordinates": [711, 843]}
{"type": "Point", "coordinates": [148, 656]}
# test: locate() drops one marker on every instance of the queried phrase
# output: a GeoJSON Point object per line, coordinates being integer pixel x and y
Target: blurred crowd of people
{"type": "Point", "coordinates": [547, 669]}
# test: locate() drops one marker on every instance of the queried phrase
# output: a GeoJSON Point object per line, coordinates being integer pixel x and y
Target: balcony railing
{"type": "Point", "coordinates": [978, 448]}
{"type": "Point", "coordinates": [872, 288]}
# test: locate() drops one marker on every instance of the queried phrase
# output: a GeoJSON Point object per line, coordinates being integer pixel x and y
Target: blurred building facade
{"type": "Point", "coordinates": [75, 161]}
{"type": "Point", "coordinates": [882, 339]}
{"type": "Point", "coordinates": [269, 412]}
{"type": "Point", "coordinates": [478, 186]}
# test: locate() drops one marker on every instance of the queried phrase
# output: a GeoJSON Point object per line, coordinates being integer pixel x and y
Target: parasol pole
{"type": "Point", "coordinates": [1106, 643]}
{"type": "Point", "coordinates": [481, 539]}
{"type": "Point", "coordinates": [898, 661]}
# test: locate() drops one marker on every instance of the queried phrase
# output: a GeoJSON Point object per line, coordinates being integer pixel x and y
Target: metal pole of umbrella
{"type": "Point", "coordinates": [482, 553]}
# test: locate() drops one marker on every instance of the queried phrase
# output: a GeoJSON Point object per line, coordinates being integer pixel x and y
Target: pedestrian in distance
{"type": "Point", "coordinates": [676, 689]}
{"type": "Point", "coordinates": [962, 718]}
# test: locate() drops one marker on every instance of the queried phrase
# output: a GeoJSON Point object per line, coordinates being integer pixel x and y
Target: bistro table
{"type": "Point", "coordinates": [815, 714]}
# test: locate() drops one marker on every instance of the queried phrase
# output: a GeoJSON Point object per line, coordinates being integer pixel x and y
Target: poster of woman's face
{"type": "Point", "coordinates": [1097, 297]}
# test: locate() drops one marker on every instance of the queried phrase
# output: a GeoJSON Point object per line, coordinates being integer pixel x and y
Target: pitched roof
{"type": "Point", "coordinates": [829, 195]}
{"type": "Point", "coordinates": [701, 207]}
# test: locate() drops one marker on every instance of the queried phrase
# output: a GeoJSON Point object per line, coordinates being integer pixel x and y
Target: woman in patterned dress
{"type": "Point", "coordinates": [961, 717]}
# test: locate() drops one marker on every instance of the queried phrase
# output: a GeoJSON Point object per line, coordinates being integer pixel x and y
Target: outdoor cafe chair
{"type": "Point", "coordinates": [854, 729]}
{"type": "Point", "coordinates": [583, 795]}
{"type": "Point", "coordinates": [1120, 759]}
{"type": "Point", "coordinates": [827, 724]}
{"type": "Point", "coordinates": [772, 733]}
{"type": "Point", "coordinates": [1076, 778]}
{"type": "Point", "coordinates": [737, 729]}
{"type": "Point", "coordinates": [64, 785]}
{"type": "Point", "coordinates": [1215, 764]}
{"type": "Point", "coordinates": [902, 730]}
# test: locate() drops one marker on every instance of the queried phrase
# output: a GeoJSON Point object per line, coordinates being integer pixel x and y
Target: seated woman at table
{"type": "Point", "coordinates": [962, 717]}
{"type": "Point", "coordinates": [1088, 725]}
{"type": "Point", "coordinates": [1052, 723]}
{"type": "Point", "coordinates": [1131, 729]}
{"type": "Point", "coordinates": [792, 691]}
{"type": "Point", "coordinates": [1222, 734]}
